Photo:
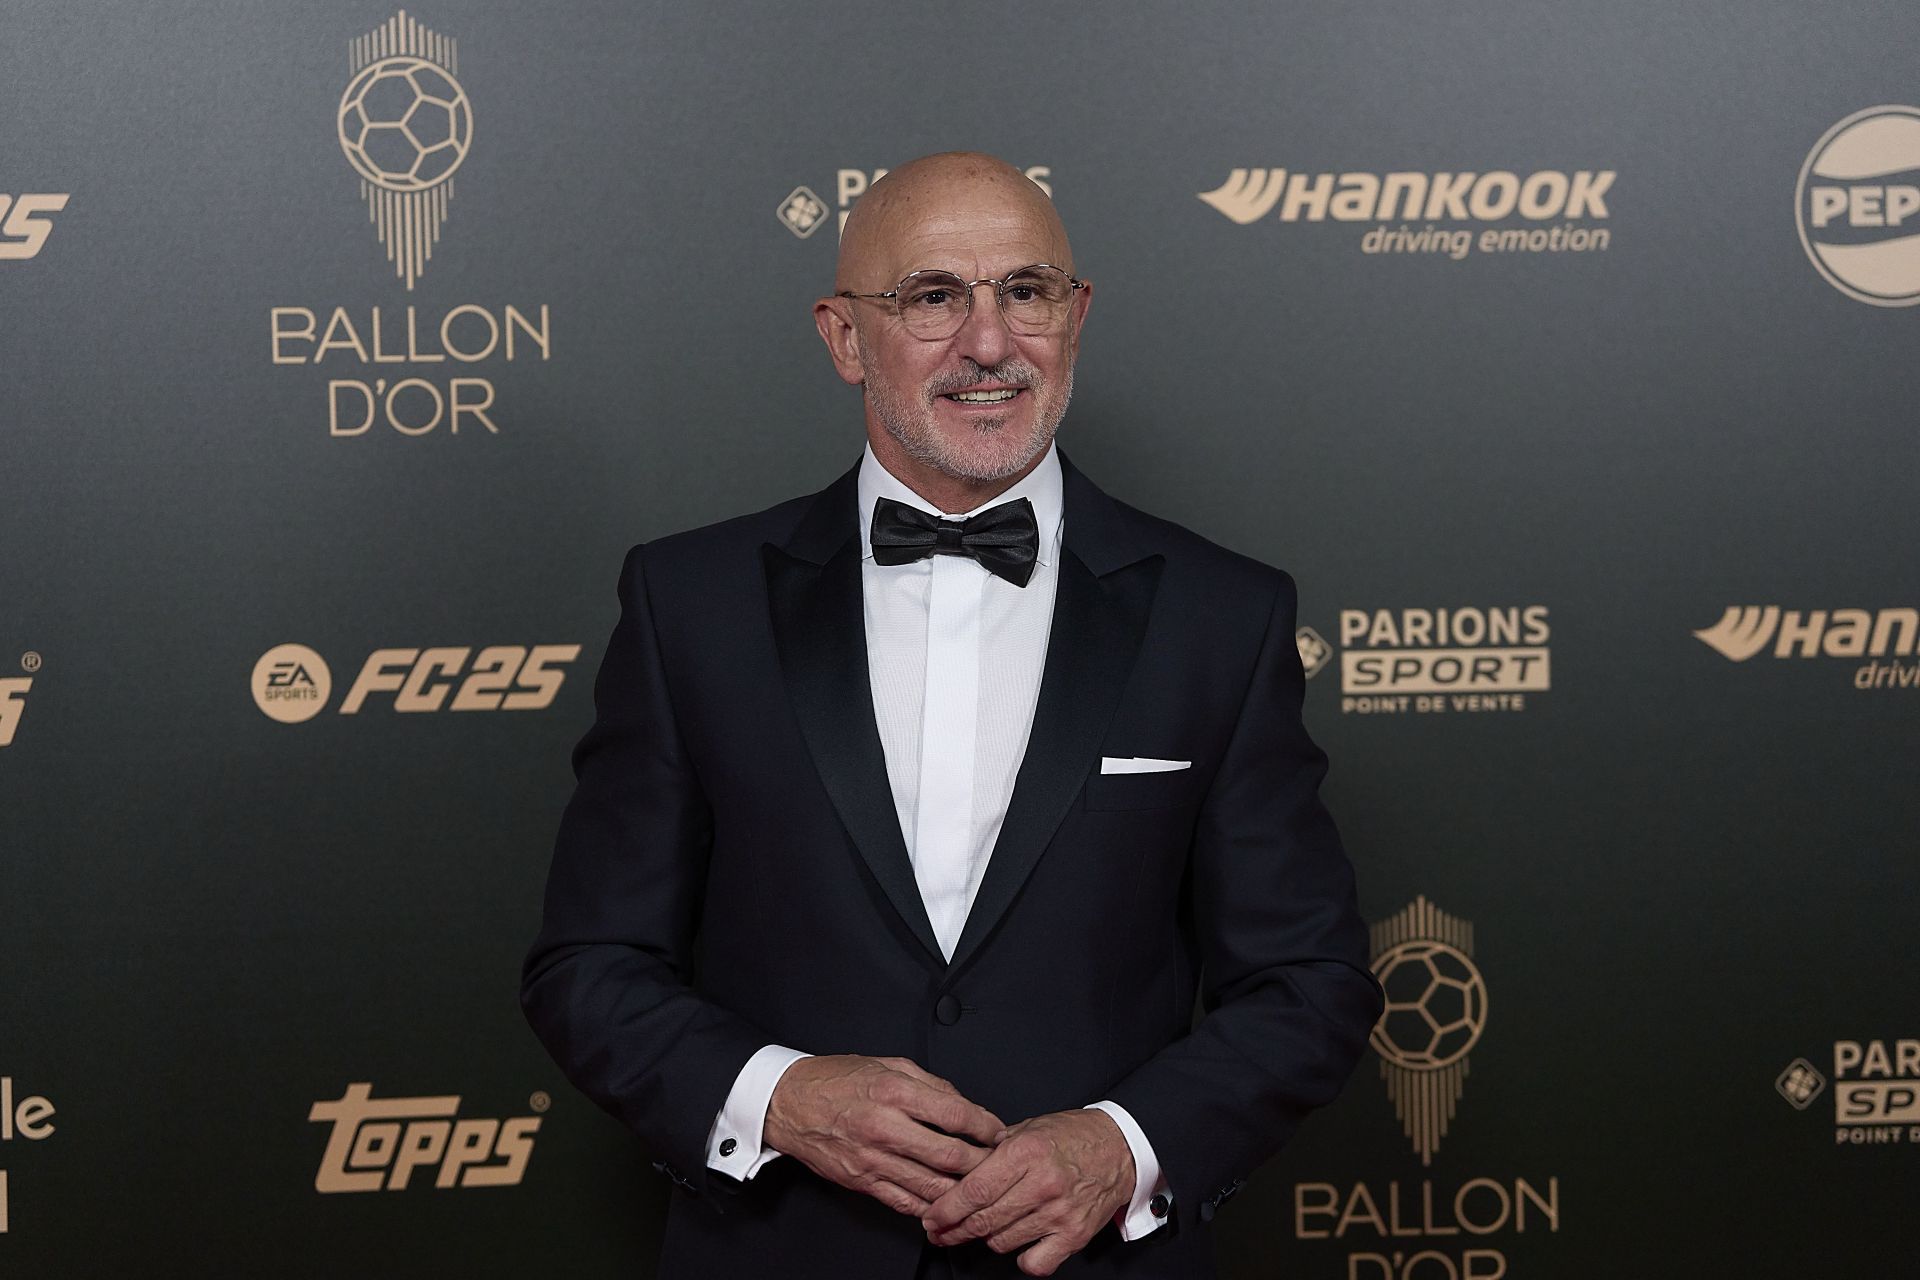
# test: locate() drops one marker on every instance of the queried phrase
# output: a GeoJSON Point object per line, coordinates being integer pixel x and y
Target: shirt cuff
{"type": "Point", "coordinates": [734, 1144]}
{"type": "Point", "coordinates": [1150, 1189]}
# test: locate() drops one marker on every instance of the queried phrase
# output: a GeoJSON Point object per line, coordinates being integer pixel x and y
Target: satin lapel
{"type": "Point", "coordinates": [819, 628]}
{"type": "Point", "coordinates": [1098, 622]}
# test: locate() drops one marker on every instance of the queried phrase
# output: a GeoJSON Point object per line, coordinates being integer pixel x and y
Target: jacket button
{"type": "Point", "coordinates": [1206, 1210]}
{"type": "Point", "coordinates": [1158, 1206]}
{"type": "Point", "coordinates": [947, 1010]}
{"type": "Point", "coordinates": [728, 1146]}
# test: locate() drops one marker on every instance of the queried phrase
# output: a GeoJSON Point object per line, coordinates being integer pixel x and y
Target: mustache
{"type": "Point", "coordinates": [1012, 369]}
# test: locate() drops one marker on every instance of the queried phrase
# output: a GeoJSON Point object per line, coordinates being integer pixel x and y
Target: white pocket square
{"type": "Point", "coordinates": [1141, 764]}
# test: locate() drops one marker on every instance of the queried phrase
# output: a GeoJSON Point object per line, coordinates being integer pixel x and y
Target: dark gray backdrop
{"type": "Point", "coordinates": [1683, 873]}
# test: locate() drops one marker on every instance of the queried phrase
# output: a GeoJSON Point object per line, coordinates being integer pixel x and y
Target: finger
{"type": "Point", "coordinates": [908, 1067]}
{"type": "Point", "coordinates": [905, 1136]}
{"type": "Point", "coordinates": [1043, 1258]}
{"type": "Point", "coordinates": [926, 1185]}
{"type": "Point", "coordinates": [1021, 1231]}
{"type": "Point", "coordinates": [897, 1198]}
{"type": "Point", "coordinates": [891, 1127]}
{"type": "Point", "coordinates": [954, 1114]}
{"type": "Point", "coordinates": [980, 1206]}
{"type": "Point", "coordinates": [1022, 1200]}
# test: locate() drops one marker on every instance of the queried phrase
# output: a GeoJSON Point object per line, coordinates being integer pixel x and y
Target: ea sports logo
{"type": "Point", "coordinates": [1436, 1005]}
{"type": "Point", "coordinates": [1857, 206]}
{"type": "Point", "coordinates": [405, 124]}
{"type": "Point", "coordinates": [291, 683]}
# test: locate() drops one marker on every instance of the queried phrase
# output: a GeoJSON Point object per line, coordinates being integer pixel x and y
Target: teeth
{"type": "Point", "coordinates": [985, 397]}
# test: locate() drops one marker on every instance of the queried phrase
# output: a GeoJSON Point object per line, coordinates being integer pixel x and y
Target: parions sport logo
{"type": "Point", "coordinates": [404, 124]}
{"type": "Point", "coordinates": [1427, 1227]}
{"type": "Point", "coordinates": [803, 212]}
{"type": "Point", "coordinates": [1876, 1091]}
{"type": "Point", "coordinates": [1885, 638]}
{"type": "Point", "coordinates": [292, 683]}
{"type": "Point", "coordinates": [1857, 206]}
{"type": "Point", "coordinates": [1430, 660]}
{"type": "Point", "coordinates": [379, 1144]}
{"type": "Point", "coordinates": [1548, 211]}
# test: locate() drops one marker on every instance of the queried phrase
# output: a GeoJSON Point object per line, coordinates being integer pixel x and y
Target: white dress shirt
{"type": "Point", "coordinates": [954, 729]}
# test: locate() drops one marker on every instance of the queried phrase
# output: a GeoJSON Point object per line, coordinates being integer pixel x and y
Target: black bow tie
{"type": "Point", "coordinates": [1004, 539]}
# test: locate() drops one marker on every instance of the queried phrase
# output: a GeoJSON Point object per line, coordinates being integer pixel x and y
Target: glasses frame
{"type": "Point", "coordinates": [1074, 285]}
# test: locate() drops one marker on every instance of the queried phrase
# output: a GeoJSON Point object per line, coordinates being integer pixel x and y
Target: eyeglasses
{"type": "Point", "coordinates": [932, 305]}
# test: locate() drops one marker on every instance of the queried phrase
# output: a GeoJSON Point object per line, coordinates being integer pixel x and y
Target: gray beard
{"type": "Point", "coordinates": [911, 424]}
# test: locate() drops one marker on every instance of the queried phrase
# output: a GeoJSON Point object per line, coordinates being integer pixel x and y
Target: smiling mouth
{"type": "Point", "coordinates": [999, 396]}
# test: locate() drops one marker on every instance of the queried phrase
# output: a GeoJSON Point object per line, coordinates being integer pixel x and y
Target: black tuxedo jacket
{"type": "Point", "coordinates": [730, 873]}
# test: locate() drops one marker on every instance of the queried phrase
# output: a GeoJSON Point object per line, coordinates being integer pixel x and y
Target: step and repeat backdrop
{"type": "Point", "coordinates": [1565, 354]}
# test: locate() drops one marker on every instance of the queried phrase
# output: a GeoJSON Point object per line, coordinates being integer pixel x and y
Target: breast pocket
{"type": "Point", "coordinates": [1157, 790]}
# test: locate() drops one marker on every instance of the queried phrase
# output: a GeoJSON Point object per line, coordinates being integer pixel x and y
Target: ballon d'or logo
{"type": "Point", "coordinates": [405, 125]}
{"type": "Point", "coordinates": [1436, 1010]}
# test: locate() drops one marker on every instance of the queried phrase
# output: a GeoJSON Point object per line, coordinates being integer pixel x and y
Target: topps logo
{"type": "Point", "coordinates": [370, 1149]}
{"type": "Point", "coordinates": [13, 700]}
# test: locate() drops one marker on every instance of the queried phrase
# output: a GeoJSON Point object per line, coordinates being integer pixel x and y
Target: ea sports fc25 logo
{"type": "Point", "coordinates": [24, 224]}
{"type": "Point", "coordinates": [1857, 205]}
{"type": "Point", "coordinates": [405, 125]}
{"type": "Point", "coordinates": [292, 683]}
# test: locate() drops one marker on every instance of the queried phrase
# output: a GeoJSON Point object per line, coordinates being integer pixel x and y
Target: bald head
{"type": "Point", "coordinates": [957, 210]}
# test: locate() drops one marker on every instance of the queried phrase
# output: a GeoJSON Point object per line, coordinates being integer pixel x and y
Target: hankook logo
{"type": "Point", "coordinates": [1856, 202]}
{"type": "Point", "coordinates": [1745, 632]}
{"type": "Point", "coordinates": [1556, 202]}
{"type": "Point", "coordinates": [405, 125]}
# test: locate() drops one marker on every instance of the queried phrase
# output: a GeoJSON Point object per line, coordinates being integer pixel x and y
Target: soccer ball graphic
{"type": "Point", "coordinates": [1436, 1005]}
{"type": "Point", "coordinates": [405, 123]}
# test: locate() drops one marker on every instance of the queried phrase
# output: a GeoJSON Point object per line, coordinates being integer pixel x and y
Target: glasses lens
{"type": "Point", "coordinates": [933, 304]}
{"type": "Point", "coordinates": [1034, 299]}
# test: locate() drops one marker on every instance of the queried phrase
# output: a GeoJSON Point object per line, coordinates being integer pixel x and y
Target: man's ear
{"type": "Point", "coordinates": [834, 319]}
{"type": "Point", "coordinates": [1082, 302]}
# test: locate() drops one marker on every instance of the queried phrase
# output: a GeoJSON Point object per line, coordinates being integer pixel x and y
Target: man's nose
{"type": "Point", "coordinates": [984, 338]}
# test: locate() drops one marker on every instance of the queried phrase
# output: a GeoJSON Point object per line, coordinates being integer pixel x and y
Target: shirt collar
{"type": "Point", "coordinates": [1040, 486]}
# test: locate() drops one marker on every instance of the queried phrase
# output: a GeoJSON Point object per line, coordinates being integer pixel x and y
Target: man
{"type": "Point", "coordinates": [965, 809]}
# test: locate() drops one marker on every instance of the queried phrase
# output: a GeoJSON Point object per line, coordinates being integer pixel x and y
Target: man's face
{"type": "Point", "coordinates": [911, 384]}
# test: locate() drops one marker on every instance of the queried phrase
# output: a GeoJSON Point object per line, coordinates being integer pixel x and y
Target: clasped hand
{"type": "Point", "coordinates": [889, 1129]}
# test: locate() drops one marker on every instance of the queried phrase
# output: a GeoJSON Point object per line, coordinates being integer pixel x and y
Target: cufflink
{"type": "Point", "coordinates": [1157, 1206]}
{"type": "Point", "coordinates": [727, 1146]}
